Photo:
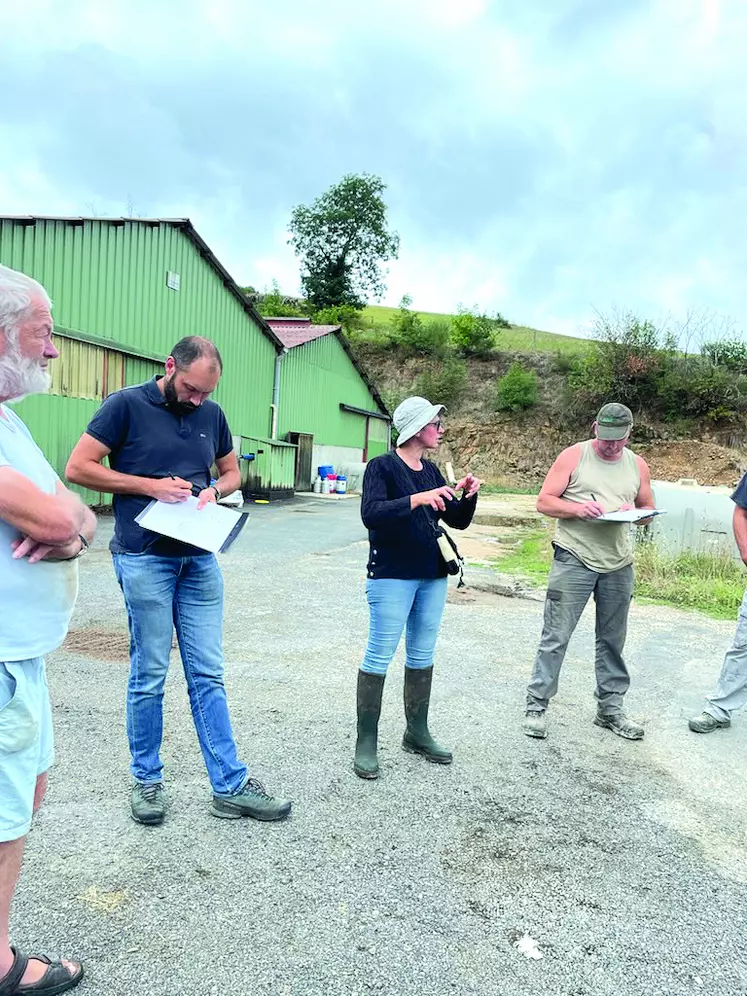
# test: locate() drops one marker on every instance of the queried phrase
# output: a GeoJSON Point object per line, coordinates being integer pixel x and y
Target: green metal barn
{"type": "Point", "coordinates": [124, 291]}
{"type": "Point", "coordinates": [327, 405]}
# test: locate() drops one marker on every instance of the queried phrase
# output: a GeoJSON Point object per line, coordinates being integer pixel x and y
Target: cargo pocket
{"type": "Point", "coordinates": [564, 556]}
{"type": "Point", "coordinates": [740, 637]}
{"type": "Point", "coordinates": [552, 607]}
{"type": "Point", "coordinates": [18, 727]}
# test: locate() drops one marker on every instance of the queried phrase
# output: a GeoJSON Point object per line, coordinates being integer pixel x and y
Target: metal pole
{"type": "Point", "coordinates": [276, 394]}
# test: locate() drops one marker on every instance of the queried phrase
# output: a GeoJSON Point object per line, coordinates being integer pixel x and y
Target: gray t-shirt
{"type": "Point", "coordinates": [36, 600]}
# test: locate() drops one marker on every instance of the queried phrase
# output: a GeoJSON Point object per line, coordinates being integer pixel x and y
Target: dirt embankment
{"type": "Point", "coordinates": [516, 449]}
{"type": "Point", "coordinates": [517, 455]}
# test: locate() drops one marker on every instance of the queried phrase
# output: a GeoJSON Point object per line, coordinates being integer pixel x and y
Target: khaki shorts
{"type": "Point", "coordinates": [26, 742]}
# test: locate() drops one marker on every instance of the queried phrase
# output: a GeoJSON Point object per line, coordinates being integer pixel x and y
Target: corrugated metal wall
{"type": "Point", "coordinates": [57, 423]}
{"type": "Point", "coordinates": [108, 284]}
{"type": "Point", "coordinates": [82, 376]}
{"type": "Point", "coordinates": [137, 371]}
{"type": "Point", "coordinates": [314, 380]}
{"type": "Point", "coordinates": [378, 434]}
{"type": "Point", "coordinates": [108, 279]}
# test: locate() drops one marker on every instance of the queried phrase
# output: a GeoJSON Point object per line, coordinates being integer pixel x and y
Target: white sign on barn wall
{"type": "Point", "coordinates": [172, 280]}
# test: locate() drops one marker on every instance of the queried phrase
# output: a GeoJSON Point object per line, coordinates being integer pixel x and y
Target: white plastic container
{"type": "Point", "coordinates": [325, 486]}
{"type": "Point", "coordinates": [316, 487]}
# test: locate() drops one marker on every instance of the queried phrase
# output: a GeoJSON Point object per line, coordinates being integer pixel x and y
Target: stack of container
{"type": "Point", "coordinates": [330, 483]}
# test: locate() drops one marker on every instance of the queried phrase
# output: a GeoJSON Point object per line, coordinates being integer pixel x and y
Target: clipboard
{"type": "Point", "coordinates": [214, 528]}
{"type": "Point", "coordinates": [629, 515]}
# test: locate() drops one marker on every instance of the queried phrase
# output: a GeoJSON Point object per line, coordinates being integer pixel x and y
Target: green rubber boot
{"type": "Point", "coordinates": [370, 688]}
{"type": "Point", "coordinates": [417, 739]}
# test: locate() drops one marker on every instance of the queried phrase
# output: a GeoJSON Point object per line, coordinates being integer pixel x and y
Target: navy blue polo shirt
{"type": "Point", "coordinates": [740, 494]}
{"type": "Point", "coordinates": [148, 440]}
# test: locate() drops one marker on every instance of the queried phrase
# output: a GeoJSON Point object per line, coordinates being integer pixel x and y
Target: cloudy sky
{"type": "Point", "coordinates": [543, 157]}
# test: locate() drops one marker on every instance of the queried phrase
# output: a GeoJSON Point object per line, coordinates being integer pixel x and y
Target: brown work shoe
{"type": "Point", "coordinates": [705, 723]}
{"type": "Point", "coordinates": [620, 724]}
{"type": "Point", "coordinates": [535, 724]}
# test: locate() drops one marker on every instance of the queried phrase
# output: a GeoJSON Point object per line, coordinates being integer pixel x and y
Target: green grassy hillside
{"type": "Point", "coordinates": [517, 339]}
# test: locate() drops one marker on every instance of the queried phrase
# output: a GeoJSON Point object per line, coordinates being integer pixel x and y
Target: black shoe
{"type": "Point", "coordinates": [147, 803]}
{"type": "Point", "coordinates": [621, 725]}
{"type": "Point", "coordinates": [252, 801]}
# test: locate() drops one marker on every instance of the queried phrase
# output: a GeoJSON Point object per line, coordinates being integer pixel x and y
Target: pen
{"type": "Point", "coordinates": [195, 487]}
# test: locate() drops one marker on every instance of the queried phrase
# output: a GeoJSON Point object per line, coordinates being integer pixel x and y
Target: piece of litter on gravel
{"type": "Point", "coordinates": [528, 947]}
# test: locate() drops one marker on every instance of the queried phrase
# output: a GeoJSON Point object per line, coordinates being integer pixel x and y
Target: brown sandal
{"type": "Point", "coordinates": [57, 979]}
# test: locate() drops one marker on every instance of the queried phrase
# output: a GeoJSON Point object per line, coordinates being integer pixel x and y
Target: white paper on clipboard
{"type": "Point", "coordinates": [629, 515]}
{"type": "Point", "coordinates": [213, 527]}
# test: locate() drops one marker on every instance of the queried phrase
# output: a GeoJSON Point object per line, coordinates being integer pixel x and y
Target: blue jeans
{"type": "Point", "coordinates": [187, 593]}
{"type": "Point", "coordinates": [393, 603]}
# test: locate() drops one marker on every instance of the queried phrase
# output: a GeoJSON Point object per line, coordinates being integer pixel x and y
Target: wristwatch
{"type": "Point", "coordinates": [84, 546]}
{"type": "Point", "coordinates": [218, 492]}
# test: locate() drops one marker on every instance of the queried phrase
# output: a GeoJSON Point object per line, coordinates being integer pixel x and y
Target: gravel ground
{"type": "Point", "coordinates": [625, 862]}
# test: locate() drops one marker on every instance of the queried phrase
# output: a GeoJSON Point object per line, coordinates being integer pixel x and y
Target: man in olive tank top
{"type": "Point", "coordinates": [588, 479]}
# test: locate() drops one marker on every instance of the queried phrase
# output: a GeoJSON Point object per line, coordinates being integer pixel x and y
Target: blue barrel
{"type": "Point", "coordinates": [325, 470]}
{"type": "Point", "coordinates": [342, 484]}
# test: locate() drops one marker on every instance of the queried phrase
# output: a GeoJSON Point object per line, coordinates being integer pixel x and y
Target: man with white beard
{"type": "Point", "coordinates": [44, 528]}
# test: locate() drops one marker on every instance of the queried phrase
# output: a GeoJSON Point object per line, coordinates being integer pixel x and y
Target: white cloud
{"type": "Point", "coordinates": [541, 158]}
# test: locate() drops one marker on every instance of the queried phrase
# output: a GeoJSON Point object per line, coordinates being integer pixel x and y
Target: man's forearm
{"type": "Point", "coordinates": [88, 526]}
{"type": "Point", "coordinates": [99, 478]}
{"type": "Point", "coordinates": [85, 519]}
{"type": "Point", "coordinates": [740, 532]}
{"type": "Point", "coordinates": [557, 508]}
{"type": "Point", "coordinates": [229, 482]}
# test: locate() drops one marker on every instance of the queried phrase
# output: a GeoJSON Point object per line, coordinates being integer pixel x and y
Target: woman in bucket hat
{"type": "Point", "coordinates": [404, 496]}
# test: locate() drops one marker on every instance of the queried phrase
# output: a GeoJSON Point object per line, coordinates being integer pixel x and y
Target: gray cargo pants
{"type": "Point", "coordinates": [731, 692]}
{"type": "Point", "coordinates": [568, 590]}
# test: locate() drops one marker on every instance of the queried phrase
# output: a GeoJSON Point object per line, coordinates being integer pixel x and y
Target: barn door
{"type": "Point", "coordinates": [304, 442]}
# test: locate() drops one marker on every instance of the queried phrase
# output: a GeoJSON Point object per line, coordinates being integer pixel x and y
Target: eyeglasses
{"type": "Point", "coordinates": [438, 424]}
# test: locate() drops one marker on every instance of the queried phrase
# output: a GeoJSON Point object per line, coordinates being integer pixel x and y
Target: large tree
{"type": "Point", "coordinates": [342, 239]}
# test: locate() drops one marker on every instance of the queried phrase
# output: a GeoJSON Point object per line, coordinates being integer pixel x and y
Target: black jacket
{"type": "Point", "coordinates": [403, 540]}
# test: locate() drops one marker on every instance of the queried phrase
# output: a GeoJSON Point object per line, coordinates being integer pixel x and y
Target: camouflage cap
{"type": "Point", "coordinates": [614, 421]}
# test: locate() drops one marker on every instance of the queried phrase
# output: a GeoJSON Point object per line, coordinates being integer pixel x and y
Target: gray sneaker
{"type": "Point", "coordinates": [252, 801]}
{"type": "Point", "coordinates": [705, 723]}
{"type": "Point", "coordinates": [147, 803]}
{"type": "Point", "coordinates": [535, 724]}
{"type": "Point", "coordinates": [621, 725]}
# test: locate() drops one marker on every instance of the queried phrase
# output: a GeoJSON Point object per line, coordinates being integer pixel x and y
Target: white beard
{"type": "Point", "coordinates": [21, 375]}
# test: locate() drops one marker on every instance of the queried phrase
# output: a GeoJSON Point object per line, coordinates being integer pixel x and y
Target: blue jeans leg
{"type": "Point", "coordinates": [424, 621]}
{"type": "Point", "coordinates": [389, 602]}
{"type": "Point", "coordinates": [198, 617]}
{"type": "Point", "coordinates": [148, 584]}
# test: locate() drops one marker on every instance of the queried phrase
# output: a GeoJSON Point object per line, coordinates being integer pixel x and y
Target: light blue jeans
{"type": "Point", "coordinates": [187, 593]}
{"type": "Point", "coordinates": [394, 603]}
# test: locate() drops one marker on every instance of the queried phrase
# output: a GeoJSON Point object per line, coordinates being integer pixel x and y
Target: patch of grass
{"type": "Point", "coordinates": [518, 338]}
{"type": "Point", "coordinates": [531, 558]}
{"type": "Point", "coordinates": [507, 489]}
{"type": "Point", "coordinates": [712, 584]}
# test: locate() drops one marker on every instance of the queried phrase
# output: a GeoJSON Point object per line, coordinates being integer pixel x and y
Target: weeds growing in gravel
{"type": "Point", "coordinates": [710, 583]}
